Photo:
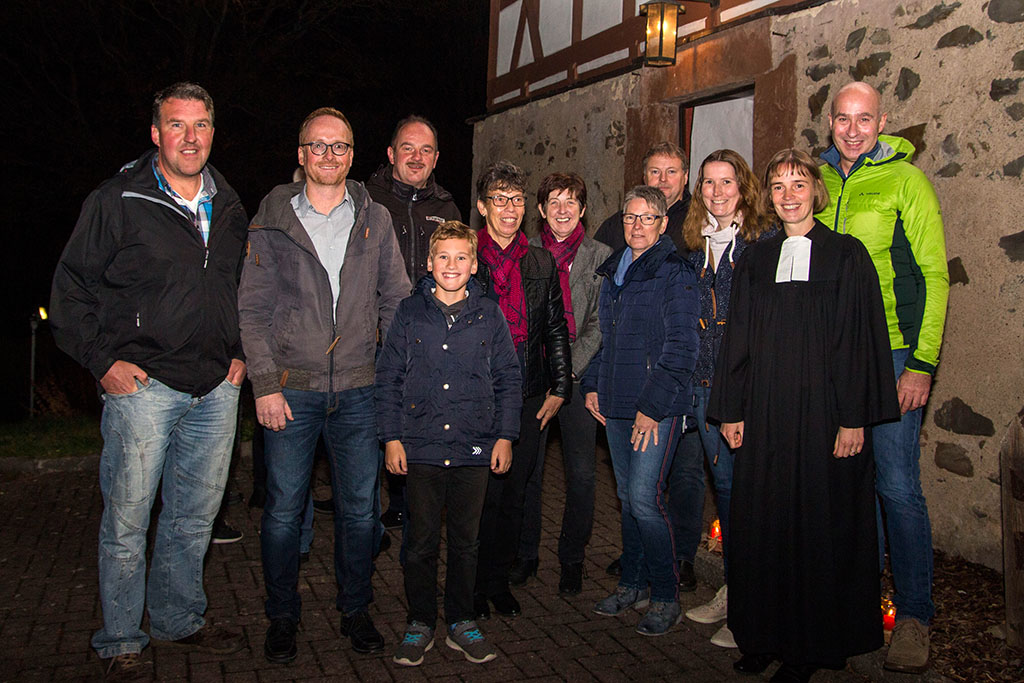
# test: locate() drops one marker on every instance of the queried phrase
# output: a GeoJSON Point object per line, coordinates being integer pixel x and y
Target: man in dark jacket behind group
{"type": "Point", "coordinates": [145, 298]}
{"type": "Point", "coordinates": [322, 275]}
{"type": "Point", "coordinates": [417, 204]}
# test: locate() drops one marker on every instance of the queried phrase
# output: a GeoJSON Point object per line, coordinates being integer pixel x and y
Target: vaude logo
{"type": "Point", "coordinates": [477, 450]}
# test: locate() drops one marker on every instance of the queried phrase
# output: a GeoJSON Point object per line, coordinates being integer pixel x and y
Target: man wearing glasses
{"type": "Point", "coordinates": [323, 272]}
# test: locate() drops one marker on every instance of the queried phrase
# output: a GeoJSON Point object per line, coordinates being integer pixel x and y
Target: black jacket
{"type": "Point", "coordinates": [136, 283]}
{"type": "Point", "coordinates": [546, 362]}
{"type": "Point", "coordinates": [610, 232]}
{"type": "Point", "coordinates": [415, 213]}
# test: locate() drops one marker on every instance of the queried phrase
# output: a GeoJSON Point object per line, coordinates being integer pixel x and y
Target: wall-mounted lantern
{"type": "Point", "coordinates": [661, 32]}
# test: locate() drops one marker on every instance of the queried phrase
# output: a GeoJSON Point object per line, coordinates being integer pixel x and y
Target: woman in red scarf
{"type": "Point", "coordinates": [562, 201]}
{"type": "Point", "coordinates": [525, 280]}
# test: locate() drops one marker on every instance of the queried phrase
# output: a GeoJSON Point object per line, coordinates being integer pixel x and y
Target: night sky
{"type": "Point", "coordinates": [79, 78]}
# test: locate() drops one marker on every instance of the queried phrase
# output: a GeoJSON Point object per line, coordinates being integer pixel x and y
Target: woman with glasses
{"type": "Point", "coordinates": [725, 217]}
{"type": "Point", "coordinates": [804, 368]}
{"type": "Point", "coordinates": [638, 387]}
{"type": "Point", "coordinates": [525, 280]}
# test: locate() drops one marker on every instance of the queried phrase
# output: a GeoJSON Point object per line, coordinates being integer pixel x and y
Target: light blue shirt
{"type": "Point", "coordinates": [329, 234]}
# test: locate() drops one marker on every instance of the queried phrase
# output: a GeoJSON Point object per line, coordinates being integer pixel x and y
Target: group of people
{"type": "Point", "coordinates": [781, 332]}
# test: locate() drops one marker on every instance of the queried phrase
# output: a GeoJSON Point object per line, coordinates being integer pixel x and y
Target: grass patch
{"type": "Point", "coordinates": [51, 437]}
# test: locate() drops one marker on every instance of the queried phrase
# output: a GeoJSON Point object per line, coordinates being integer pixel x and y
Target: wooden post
{"type": "Point", "coordinates": [1012, 482]}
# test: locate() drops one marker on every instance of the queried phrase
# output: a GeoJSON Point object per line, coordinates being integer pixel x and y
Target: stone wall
{"type": "Point", "coordinates": [951, 76]}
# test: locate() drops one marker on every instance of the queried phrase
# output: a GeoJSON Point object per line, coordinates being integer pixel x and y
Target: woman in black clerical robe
{"type": "Point", "coordinates": [804, 368]}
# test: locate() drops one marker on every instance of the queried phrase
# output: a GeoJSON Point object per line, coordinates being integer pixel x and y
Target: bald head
{"type": "Point", "coordinates": [856, 120]}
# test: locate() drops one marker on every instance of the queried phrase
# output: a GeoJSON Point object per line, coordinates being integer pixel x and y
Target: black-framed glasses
{"type": "Point", "coordinates": [318, 148]}
{"type": "Point", "coordinates": [645, 218]}
{"type": "Point", "coordinates": [500, 200]}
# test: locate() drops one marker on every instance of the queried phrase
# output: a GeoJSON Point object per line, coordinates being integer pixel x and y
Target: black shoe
{"type": "Point", "coordinates": [522, 570]}
{"type": "Point", "coordinates": [392, 519]}
{"type": "Point", "coordinates": [753, 664]}
{"type": "Point", "coordinates": [385, 543]}
{"type": "Point", "coordinates": [481, 610]}
{"type": "Point", "coordinates": [687, 579]}
{"type": "Point", "coordinates": [324, 507]}
{"type": "Point", "coordinates": [571, 581]}
{"type": "Point", "coordinates": [794, 673]}
{"type": "Point", "coordinates": [506, 604]}
{"type": "Point", "coordinates": [223, 534]}
{"type": "Point", "coordinates": [303, 558]}
{"type": "Point", "coordinates": [360, 630]}
{"type": "Point", "coordinates": [615, 568]}
{"type": "Point", "coordinates": [279, 645]}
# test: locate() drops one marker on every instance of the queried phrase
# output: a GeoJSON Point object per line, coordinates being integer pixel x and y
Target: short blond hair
{"type": "Point", "coordinates": [453, 230]}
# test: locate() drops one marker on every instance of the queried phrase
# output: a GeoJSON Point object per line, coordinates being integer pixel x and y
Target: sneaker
{"type": "Point", "coordinates": [465, 637]}
{"type": "Point", "coordinates": [571, 580]}
{"type": "Point", "coordinates": [360, 630]}
{"type": "Point", "coordinates": [660, 617]}
{"type": "Point", "coordinates": [392, 519]}
{"type": "Point", "coordinates": [712, 612]}
{"type": "Point", "coordinates": [419, 638]}
{"type": "Point", "coordinates": [222, 534]}
{"type": "Point", "coordinates": [279, 645]}
{"type": "Point", "coordinates": [622, 599]}
{"type": "Point", "coordinates": [723, 637]}
{"type": "Point", "coordinates": [129, 666]}
{"type": "Point", "coordinates": [211, 639]}
{"type": "Point", "coordinates": [908, 649]}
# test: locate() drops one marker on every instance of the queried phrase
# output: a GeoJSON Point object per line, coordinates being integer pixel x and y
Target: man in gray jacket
{"type": "Point", "coordinates": [323, 275]}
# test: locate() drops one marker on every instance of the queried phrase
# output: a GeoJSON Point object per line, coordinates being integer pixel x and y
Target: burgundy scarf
{"type": "Point", "coordinates": [564, 253]}
{"type": "Point", "coordinates": [507, 279]}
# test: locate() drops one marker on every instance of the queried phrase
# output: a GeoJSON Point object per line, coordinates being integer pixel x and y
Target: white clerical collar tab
{"type": "Point", "coordinates": [795, 260]}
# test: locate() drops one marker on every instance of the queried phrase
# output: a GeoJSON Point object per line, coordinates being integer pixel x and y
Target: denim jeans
{"type": "Point", "coordinates": [685, 494]}
{"type": "Point", "coordinates": [501, 521]}
{"type": "Point", "coordinates": [153, 433]}
{"type": "Point", "coordinates": [459, 493]}
{"type": "Point", "coordinates": [346, 420]}
{"type": "Point", "coordinates": [898, 484]}
{"type": "Point", "coordinates": [579, 436]}
{"type": "Point", "coordinates": [648, 549]}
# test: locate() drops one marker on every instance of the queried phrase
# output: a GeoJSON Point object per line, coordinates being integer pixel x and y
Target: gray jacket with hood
{"type": "Point", "coordinates": [292, 334]}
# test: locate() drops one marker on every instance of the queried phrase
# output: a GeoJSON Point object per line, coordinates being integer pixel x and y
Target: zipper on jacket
{"type": "Point", "coordinates": [413, 240]}
{"type": "Point", "coordinates": [206, 257]}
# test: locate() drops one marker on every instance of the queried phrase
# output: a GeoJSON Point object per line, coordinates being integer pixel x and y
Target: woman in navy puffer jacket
{"type": "Point", "coordinates": [638, 386]}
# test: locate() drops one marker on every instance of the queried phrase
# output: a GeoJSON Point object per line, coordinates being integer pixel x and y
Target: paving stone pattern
{"type": "Point", "coordinates": [49, 606]}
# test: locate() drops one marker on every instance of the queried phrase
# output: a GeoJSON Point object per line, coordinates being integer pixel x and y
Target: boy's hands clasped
{"type": "Point", "coordinates": [395, 459]}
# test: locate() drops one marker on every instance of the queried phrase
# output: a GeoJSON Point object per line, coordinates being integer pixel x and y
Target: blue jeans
{"type": "Point", "coordinates": [648, 551]}
{"type": "Point", "coordinates": [153, 433]}
{"type": "Point", "coordinates": [898, 484]}
{"type": "Point", "coordinates": [346, 420]}
{"type": "Point", "coordinates": [579, 436]}
{"type": "Point", "coordinates": [686, 481]}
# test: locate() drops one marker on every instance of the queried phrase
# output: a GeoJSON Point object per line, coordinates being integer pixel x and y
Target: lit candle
{"type": "Point", "coordinates": [888, 614]}
{"type": "Point", "coordinates": [716, 530]}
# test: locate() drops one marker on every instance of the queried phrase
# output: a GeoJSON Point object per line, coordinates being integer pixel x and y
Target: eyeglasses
{"type": "Point", "coordinates": [645, 218]}
{"type": "Point", "coordinates": [500, 200]}
{"type": "Point", "coordinates": [318, 148]}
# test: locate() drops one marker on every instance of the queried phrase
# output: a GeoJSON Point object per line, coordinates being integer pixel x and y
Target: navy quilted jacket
{"type": "Point", "coordinates": [649, 336]}
{"type": "Point", "coordinates": [448, 394]}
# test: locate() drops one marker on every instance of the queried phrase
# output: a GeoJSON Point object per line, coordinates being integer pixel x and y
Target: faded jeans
{"type": "Point", "coordinates": [153, 433]}
{"type": "Point", "coordinates": [898, 484]}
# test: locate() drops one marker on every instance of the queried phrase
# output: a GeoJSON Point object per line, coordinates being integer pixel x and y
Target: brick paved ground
{"type": "Point", "coordinates": [49, 606]}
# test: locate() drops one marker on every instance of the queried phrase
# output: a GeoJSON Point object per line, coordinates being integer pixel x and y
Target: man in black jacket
{"type": "Point", "coordinates": [145, 298]}
{"type": "Point", "coordinates": [406, 186]}
{"type": "Point", "coordinates": [666, 167]}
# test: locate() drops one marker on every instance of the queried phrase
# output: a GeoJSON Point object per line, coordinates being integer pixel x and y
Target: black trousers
{"type": "Point", "coordinates": [429, 490]}
{"type": "Point", "coordinates": [502, 519]}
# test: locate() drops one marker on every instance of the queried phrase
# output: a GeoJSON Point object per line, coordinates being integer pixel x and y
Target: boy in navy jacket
{"type": "Point", "coordinates": [448, 394]}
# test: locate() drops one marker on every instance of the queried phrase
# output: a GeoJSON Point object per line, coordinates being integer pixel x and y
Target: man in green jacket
{"type": "Point", "coordinates": [879, 197]}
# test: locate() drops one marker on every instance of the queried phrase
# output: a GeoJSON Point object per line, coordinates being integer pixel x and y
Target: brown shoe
{"type": "Point", "coordinates": [127, 667]}
{"type": "Point", "coordinates": [212, 639]}
{"type": "Point", "coordinates": [908, 649]}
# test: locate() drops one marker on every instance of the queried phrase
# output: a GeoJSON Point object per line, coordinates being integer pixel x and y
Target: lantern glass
{"type": "Point", "coordinates": [661, 32]}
